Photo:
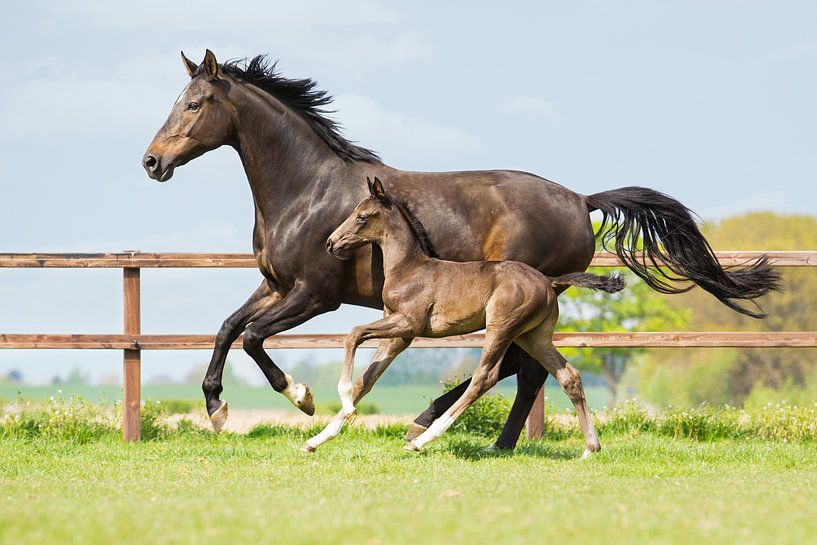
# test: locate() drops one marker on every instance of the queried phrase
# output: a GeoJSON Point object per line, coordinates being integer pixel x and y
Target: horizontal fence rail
{"type": "Point", "coordinates": [132, 342]}
{"type": "Point", "coordinates": [587, 339]}
{"type": "Point", "coordinates": [141, 260]}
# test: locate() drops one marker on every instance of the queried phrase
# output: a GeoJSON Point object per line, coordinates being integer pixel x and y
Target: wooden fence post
{"type": "Point", "coordinates": [131, 377]}
{"type": "Point", "coordinates": [535, 424]}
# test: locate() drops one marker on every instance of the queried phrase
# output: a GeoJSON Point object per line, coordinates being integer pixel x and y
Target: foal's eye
{"type": "Point", "coordinates": [193, 106]}
{"type": "Point", "coordinates": [361, 218]}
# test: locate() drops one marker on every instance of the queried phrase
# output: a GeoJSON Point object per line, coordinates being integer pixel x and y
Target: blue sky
{"type": "Point", "coordinates": [712, 103]}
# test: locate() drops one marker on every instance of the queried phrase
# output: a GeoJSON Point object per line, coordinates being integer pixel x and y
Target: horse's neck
{"type": "Point", "coordinates": [282, 156]}
{"type": "Point", "coordinates": [401, 250]}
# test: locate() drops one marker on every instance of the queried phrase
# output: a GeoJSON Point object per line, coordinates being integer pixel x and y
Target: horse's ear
{"type": "Point", "coordinates": [377, 189]}
{"type": "Point", "coordinates": [189, 65]}
{"type": "Point", "coordinates": [211, 64]}
{"type": "Point", "coordinates": [369, 185]}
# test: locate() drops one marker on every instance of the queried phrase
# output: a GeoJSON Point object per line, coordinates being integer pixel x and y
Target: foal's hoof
{"type": "Point", "coordinates": [306, 447]}
{"type": "Point", "coordinates": [414, 431]}
{"type": "Point", "coordinates": [219, 417]}
{"type": "Point", "coordinates": [588, 453]}
{"type": "Point", "coordinates": [411, 447]}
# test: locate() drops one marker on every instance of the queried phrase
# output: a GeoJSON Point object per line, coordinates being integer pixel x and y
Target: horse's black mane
{"type": "Point", "coordinates": [302, 96]}
{"type": "Point", "coordinates": [416, 227]}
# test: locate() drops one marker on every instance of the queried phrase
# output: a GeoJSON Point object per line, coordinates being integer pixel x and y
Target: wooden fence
{"type": "Point", "coordinates": [132, 342]}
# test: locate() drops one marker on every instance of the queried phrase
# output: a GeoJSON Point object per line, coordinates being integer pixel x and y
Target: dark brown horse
{"type": "Point", "coordinates": [305, 179]}
{"type": "Point", "coordinates": [431, 297]}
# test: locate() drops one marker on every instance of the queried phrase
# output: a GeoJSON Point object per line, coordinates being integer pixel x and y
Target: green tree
{"type": "Point", "coordinates": [740, 372]}
{"type": "Point", "coordinates": [635, 308]}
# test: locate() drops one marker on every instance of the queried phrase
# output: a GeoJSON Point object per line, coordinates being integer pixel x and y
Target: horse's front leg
{"type": "Point", "coordinates": [261, 301]}
{"type": "Point", "coordinates": [298, 306]}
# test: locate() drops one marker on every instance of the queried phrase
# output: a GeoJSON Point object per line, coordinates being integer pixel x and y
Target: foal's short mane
{"type": "Point", "coordinates": [302, 96]}
{"type": "Point", "coordinates": [420, 233]}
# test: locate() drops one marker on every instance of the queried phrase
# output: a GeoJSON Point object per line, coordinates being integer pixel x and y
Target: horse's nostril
{"type": "Point", "coordinates": [150, 162]}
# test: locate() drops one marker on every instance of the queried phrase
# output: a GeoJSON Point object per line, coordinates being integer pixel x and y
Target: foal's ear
{"type": "Point", "coordinates": [210, 64]}
{"type": "Point", "coordinates": [370, 186]}
{"type": "Point", "coordinates": [377, 189]}
{"type": "Point", "coordinates": [189, 65]}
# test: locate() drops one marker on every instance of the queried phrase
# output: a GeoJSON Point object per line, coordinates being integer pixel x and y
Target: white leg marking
{"type": "Point", "coordinates": [295, 393]}
{"type": "Point", "coordinates": [328, 433]}
{"type": "Point", "coordinates": [434, 431]}
{"type": "Point", "coordinates": [345, 392]}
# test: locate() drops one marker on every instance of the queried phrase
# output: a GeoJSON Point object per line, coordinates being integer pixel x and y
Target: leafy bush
{"type": "Point", "coordinates": [780, 422]}
{"type": "Point", "coordinates": [73, 419]}
{"type": "Point", "coordinates": [485, 417]}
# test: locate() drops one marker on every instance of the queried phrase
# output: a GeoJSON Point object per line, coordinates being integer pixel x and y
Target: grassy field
{"type": "Point", "coordinates": [705, 475]}
{"type": "Point", "coordinates": [409, 399]}
{"type": "Point", "coordinates": [364, 489]}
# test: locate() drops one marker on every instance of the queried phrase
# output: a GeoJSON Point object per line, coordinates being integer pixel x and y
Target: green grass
{"type": "Point", "coordinates": [708, 475]}
{"type": "Point", "coordinates": [193, 487]}
{"type": "Point", "coordinates": [410, 399]}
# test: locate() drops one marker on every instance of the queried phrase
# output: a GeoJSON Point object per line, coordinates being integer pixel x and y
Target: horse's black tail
{"type": "Point", "coordinates": [651, 229]}
{"type": "Point", "coordinates": [609, 282]}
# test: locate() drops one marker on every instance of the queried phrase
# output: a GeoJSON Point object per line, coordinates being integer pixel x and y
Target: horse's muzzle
{"type": "Point", "coordinates": [155, 169]}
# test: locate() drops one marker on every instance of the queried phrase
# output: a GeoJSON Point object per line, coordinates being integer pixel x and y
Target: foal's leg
{"type": "Point", "coordinates": [386, 352]}
{"type": "Point", "coordinates": [259, 302]}
{"type": "Point", "coordinates": [530, 376]}
{"type": "Point", "coordinates": [392, 326]}
{"type": "Point", "coordinates": [484, 378]}
{"type": "Point", "coordinates": [539, 343]}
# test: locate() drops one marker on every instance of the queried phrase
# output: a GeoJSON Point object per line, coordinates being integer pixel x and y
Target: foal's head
{"type": "Point", "coordinates": [373, 219]}
{"type": "Point", "coordinates": [365, 224]}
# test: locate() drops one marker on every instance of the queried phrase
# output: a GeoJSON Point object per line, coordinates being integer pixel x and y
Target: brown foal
{"type": "Point", "coordinates": [431, 297]}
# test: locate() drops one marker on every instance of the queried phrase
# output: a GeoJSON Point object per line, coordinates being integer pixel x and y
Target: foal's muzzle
{"type": "Point", "coordinates": [341, 253]}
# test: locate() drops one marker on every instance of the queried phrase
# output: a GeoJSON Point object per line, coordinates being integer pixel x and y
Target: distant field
{"type": "Point", "coordinates": [389, 399]}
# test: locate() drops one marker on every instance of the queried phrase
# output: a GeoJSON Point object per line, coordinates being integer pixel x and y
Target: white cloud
{"type": "Point", "coordinates": [532, 107]}
{"type": "Point", "coordinates": [396, 134]}
{"type": "Point", "coordinates": [252, 16]}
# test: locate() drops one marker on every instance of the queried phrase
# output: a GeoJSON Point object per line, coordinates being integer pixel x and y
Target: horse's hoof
{"type": "Point", "coordinates": [493, 449]}
{"type": "Point", "coordinates": [306, 447]}
{"type": "Point", "coordinates": [411, 447]}
{"type": "Point", "coordinates": [414, 431]}
{"type": "Point", "coordinates": [219, 417]}
{"type": "Point", "coordinates": [587, 454]}
{"type": "Point", "coordinates": [307, 402]}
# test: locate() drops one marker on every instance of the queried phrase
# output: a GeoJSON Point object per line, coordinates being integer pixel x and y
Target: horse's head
{"type": "Point", "coordinates": [365, 224]}
{"type": "Point", "coordinates": [201, 120]}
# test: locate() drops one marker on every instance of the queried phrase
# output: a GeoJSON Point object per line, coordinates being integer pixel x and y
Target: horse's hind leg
{"type": "Point", "coordinates": [530, 377]}
{"type": "Point", "coordinates": [539, 343]}
{"type": "Point", "coordinates": [528, 384]}
{"type": "Point", "coordinates": [485, 377]}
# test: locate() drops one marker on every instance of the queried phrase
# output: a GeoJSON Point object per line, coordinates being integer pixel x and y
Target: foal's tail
{"type": "Point", "coordinates": [658, 239]}
{"type": "Point", "coordinates": [609, 283]}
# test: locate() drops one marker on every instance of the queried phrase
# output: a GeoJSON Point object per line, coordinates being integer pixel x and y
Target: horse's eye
{"type": "Point", "coordinates": [361, 218]}
{"type": "Point", "coordinates": [193, 106]}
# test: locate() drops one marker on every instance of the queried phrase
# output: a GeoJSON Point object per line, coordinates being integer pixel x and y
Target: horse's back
{"type": "Point", "coordinates": [500, 215]}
